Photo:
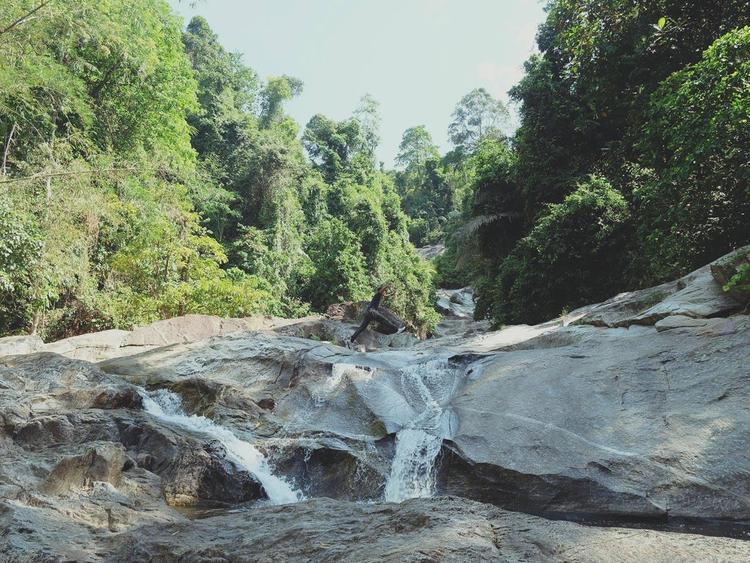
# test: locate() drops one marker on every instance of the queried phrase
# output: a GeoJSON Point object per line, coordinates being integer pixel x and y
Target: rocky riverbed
{"type": "Point", "coordinates": [204, 439]}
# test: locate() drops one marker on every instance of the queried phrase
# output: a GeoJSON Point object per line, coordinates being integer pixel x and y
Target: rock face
{"type": "Point", "coordinates": [432, 251]}
{"type": "Point", "coordinates": [696, 295]}
{"type": "Point", "coordinates": [447, 529]}
{"type": "Point", "coordinates": [74, 438]}
{"type": "Point", "coordinates": [622, 422]}
{"type": "Point", "coordinates": [634, 410]}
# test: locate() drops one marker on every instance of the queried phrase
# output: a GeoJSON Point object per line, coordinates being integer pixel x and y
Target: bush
{"type": "Point", "coordinates": [339, 272]}
{"type": "Point", "coordinates": [412, 278]}
{"type": "Point", "coordinates": [20, 251]}
{"type": "Point", "coordinates": [698, 140]}
{"type": "Point", "coordinates": [575, 254]}
{"type": "Point", "coordinates": [424, 232]}
{"type": "Point", "coordinates": [451, 273]}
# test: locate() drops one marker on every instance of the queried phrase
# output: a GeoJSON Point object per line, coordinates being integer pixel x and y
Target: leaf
{"type": "Point", "coordinates": [662, 22]}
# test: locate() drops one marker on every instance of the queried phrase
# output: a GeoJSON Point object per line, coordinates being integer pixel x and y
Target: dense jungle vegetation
{"type": "Point", "coordinates": [146, 172]}
{"type": "Point", "coordinates": [631, 165]}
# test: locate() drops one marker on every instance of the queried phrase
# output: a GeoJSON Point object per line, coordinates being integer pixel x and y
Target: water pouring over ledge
{"type": "Point", "coordinates": [427, 387]}
{"type": "Point", "coordinates": [167, 407]}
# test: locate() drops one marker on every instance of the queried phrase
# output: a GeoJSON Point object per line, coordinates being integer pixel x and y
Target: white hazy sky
{"type": "Point", "coordinates": [416, 57]}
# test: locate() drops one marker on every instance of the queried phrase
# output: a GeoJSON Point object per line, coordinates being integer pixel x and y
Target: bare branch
{"type": "Point", "coordinates": [7, 147]}
{"type": "Point", "coordinates": [25, 17]}
{"type": "Point", "coordinates": [72, 173]}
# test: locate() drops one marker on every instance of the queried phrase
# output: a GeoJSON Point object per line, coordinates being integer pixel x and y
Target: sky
{"type": "Point", "coordinates": [417, 58]}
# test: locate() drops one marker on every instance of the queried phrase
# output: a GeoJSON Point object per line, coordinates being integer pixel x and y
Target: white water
{"type": "Point", "coordinates": [166, 406]}
{"type": "Point", "coordinates": [418, 442]}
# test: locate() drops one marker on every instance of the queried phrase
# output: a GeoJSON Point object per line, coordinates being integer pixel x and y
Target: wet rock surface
{"type": "Point", "coordinates": [456, 303]}
{"type": "Point", "coordinates": [634, 410]}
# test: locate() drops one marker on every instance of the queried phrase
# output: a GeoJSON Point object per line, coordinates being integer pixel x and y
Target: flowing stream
{"type": "Point", "coordinates": [425, 386]}
{"type": "Point", "coordinates": [167, 406]}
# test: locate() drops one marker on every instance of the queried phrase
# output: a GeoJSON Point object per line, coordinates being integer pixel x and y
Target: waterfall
{"type": "Point", "coordinates": [418, 443]}
{"type": "Point", "coordinates": [167, 406]}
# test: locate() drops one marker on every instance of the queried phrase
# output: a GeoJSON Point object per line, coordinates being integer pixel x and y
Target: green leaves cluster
{"type": "Point", "coordinates": [697, 138]}
{"type": "Point", "coordinates": [573, 255]}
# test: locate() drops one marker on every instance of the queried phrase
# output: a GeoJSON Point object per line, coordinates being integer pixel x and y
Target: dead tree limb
{"type": "Point", "coordinates": [7, 147]}
{"type": "Point", "coordinates": [24, 17]}
{"type": "Point", "coordinates": [71, 173]}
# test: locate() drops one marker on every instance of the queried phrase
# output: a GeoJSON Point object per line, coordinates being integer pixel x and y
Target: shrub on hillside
{"type": "Point", "coordinates": [575, 254]}
{"type": "Point", "coordinates": [20, 250]}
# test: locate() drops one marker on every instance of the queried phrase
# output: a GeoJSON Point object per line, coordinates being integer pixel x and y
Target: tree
{"type": "Point", "coordinates": [227, 90]}
{"type": "Point", "coordinates": [333, 146]}
{"type": "Point", "coordinates": [476, 116]}
{"type": "Point", "coordinates": [278, 90]}
{"type": "Point", "coordinates": [416, 147]}
{"type": "Point", "coordinates": [369, 119]}
{"type": "Point", "coordinates": [339, 266]}
{"type": "Point", "coordinates": [122, 141]}
{"type": "Point", "coordinates": [575, 254]}
{"type": "Point", "coordinates": [20, 253]}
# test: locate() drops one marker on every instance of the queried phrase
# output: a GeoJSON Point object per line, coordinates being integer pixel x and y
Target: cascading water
{"type": "Point", "coordinates": [425, 386]}
{"type": "Point", "coordinates": [167, 406]}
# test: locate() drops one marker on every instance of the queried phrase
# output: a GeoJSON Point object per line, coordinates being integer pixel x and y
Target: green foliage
{"type": "Point", "coordinates": [424, 186]}
{"type": "Point", "coordinates": [339, 271]}
{"type": "Point", "coordinates": [412, 278]}
{"type": "Point", "coordinates": [741, 280]}
{"type": "Point", "coordinates": [337, 148]}
{"type": "Point", "coordinates": [278, 90]}
{"type": "Point", "coordinates": [93, 110]}
{"type": "Point", "coordinates": [369, 120]}
{"type": "Point", "coordinates": [652, 96]}
{"type": "Point", "coordinates": [453, 271]}
{"type": "Point", "coordinates": [416, 148]}
{"type": "Point", "coordinates": [20, 252]}
{"type": "Point", "coordinates": [496, 208]}
{"type": "Point", "coordinates": [698, 139]}
{"type": "Point", "coordinates": [574, 255]}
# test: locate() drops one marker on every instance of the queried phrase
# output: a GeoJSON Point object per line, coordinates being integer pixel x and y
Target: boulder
{"type": "Point", "coordinates": [101, 463]}
{"type": "Point", "coordinates": [11, 345]}
{"type": "Point", "coordinates": [204, 476]}
{"type": "Point", "coordinates": [91, 347]}
{"type": "Point", "coordinates": [456, 303]}
{"type": "Point", "coordinates": [346, 311]}
{"type": "Point", "coordinates": [192, 328]}
{"type": "Point", "coordinates": [188, 328]}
